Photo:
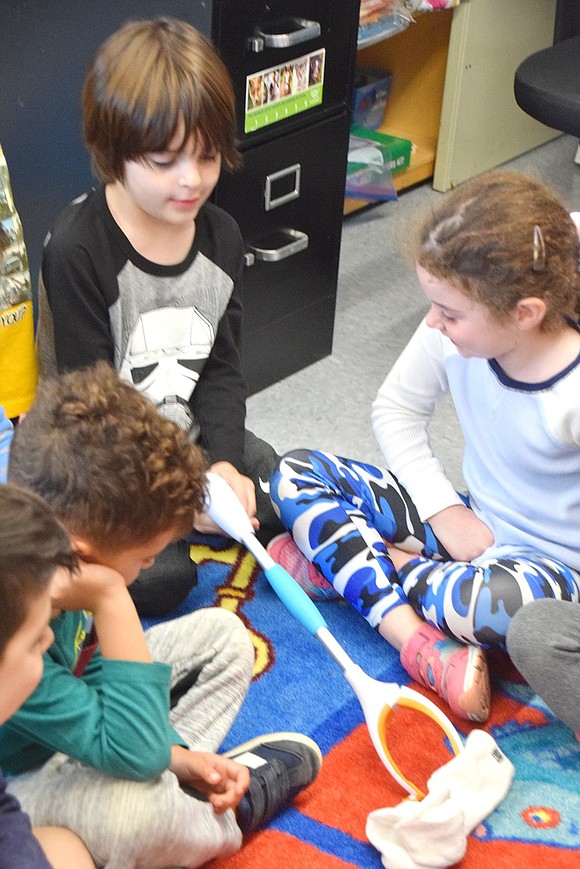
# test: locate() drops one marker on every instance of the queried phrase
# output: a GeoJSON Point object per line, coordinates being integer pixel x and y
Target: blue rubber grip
{"type": "Point", "coordinates": [294, 598]}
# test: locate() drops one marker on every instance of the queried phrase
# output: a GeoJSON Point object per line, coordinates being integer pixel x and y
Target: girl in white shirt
{"type": "Point", "coordinates": [440, 574]}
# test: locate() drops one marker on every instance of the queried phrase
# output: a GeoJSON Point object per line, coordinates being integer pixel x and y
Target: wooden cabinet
{"type": "Point", "coordinates": [452, 88]}
{"type": "Point", "coordinates": [481, 124]}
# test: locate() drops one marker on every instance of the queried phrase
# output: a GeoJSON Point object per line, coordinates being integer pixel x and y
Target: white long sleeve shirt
{"type": "Point", "coordinates": [521, 459]}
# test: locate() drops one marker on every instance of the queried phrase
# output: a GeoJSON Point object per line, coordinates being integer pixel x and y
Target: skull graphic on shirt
{"type": "Point", "coordinates": [165, 356]}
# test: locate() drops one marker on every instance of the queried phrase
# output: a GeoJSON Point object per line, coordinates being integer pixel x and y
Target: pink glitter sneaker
{"type": "Point", "coordinates": [456, 672]}
{"type": "Point", "coordinates": [285, 552]}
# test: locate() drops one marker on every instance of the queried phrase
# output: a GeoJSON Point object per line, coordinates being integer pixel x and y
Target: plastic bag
{"type": "Point", "coordinates": [379, 19]}
{"type": "Point", "coordinates": [18, 372]}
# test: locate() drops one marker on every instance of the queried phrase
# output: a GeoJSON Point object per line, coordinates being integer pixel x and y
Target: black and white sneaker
{"type": "Point", "coordinates": [281, 765]}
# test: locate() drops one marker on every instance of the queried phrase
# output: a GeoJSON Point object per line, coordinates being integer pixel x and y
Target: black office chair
{"type": "Point", "coordinates": [547, 83]}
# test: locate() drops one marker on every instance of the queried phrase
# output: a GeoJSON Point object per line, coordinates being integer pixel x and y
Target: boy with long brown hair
{"type": "Point", "coordinates": [145, 271]}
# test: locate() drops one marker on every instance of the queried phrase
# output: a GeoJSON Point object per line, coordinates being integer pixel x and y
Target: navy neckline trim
{"type": "Point", "coordinates": [530, 387]}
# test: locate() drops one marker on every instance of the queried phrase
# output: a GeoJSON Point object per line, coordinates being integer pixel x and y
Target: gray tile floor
{"type": "Point", "coordinates": [327, 405]}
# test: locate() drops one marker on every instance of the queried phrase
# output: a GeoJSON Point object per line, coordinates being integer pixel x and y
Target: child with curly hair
{"type": "Point", "coordinates": [119, 740]}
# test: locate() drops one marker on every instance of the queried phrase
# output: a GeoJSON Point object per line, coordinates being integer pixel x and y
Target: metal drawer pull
{"type": "Point", "coordinates": [293, 241]}
{"type": "Point", "coordinates": [298, 30]}
{"type": "Point", "coordinates": [272, 201]}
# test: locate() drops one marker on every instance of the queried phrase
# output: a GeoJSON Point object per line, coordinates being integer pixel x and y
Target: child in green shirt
{"type": "Point", "coordinates": [118, 741]}
{"type": "Point", "coordinates": [35, 553]}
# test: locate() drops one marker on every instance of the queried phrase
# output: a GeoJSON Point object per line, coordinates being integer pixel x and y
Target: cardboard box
{"type": "Point", "coordinates": [371, 91]}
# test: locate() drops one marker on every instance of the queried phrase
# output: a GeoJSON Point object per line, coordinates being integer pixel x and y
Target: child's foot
{"type": "Point", "coordinates": [285, 552]}
{"type": "Point", "coordinates": [456, 672]}
{"type": "Point", "coordinates": [281, 765]}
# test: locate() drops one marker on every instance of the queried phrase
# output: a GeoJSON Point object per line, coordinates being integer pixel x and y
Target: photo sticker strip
{"type": "Point", "coordinates": [280, 92]}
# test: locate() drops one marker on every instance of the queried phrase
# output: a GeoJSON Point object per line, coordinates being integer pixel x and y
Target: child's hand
{"type": "Point", "coordinates": [86, 588]}
{"type": "Point", "coordinates": [222, 780]}
{"type": "Point", "coordinates": [463, 535]}
{"type": "Point", "coordinates": [244, 489]}
{"type": "Point", "coordinates": [103, 591]}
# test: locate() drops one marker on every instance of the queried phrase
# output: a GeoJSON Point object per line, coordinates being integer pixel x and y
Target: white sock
{"type": "Point", "coordinates": [432, 833]}
{"type": "Point", "coordinates": [478, 778]}
{"type": "Point", "coordinates": [416, 835]}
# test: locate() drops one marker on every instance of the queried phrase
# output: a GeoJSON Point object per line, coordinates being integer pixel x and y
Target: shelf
{"type": "Point", "coordinates": [417, 59]}
{"type": "Point", "coordinates": [380, 29]}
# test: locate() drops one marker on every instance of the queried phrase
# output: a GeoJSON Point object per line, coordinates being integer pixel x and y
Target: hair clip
{"type": "Point", "coordinates": [538, 251]}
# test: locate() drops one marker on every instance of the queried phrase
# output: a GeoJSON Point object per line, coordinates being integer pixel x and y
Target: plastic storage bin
{"type": "Point", "coordinates": [371, 91]}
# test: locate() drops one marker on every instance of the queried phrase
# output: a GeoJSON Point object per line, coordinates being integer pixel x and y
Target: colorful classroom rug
{"type": "Point", "coordinates": [298, 686]}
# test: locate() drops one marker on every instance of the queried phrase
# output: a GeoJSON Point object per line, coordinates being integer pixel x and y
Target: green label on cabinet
{"type": "Point", "coordinates": [279, 92]}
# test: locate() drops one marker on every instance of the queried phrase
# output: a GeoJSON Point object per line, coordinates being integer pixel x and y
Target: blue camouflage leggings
{"type": "Point", "coordinates": [340, 512]}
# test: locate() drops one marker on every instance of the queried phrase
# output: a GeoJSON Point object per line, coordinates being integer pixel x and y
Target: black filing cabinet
{"type": "Point", "coordinates": [292, 252]}
{"type": "Point", "coordinates": [292, 65]}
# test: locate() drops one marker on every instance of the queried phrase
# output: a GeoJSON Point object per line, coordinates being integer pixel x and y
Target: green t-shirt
{"type": "Point", "coordinates": [115, 717]}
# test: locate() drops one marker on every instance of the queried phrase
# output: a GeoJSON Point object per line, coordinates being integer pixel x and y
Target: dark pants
{"type": "Point", "coordinates": [162, 587]}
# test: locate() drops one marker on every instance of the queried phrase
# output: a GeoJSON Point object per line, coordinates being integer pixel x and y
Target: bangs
{"type": "Point", "coordinates": [170, 103]}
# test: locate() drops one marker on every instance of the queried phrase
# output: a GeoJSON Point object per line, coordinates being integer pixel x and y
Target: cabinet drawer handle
{"type": "Point", "coordinates": [299, 30]}
{"type": "Point", "coordinates": [291, 173]}
{"type": "Point", "coordinates": [297, 241]}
